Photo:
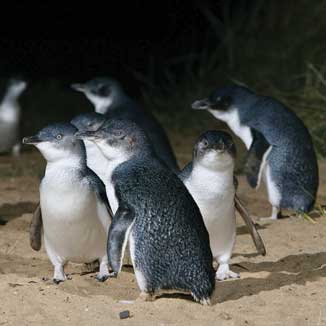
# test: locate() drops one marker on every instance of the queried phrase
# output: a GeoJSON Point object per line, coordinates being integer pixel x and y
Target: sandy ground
{"type": "Point", "coordinates": [286, 287]}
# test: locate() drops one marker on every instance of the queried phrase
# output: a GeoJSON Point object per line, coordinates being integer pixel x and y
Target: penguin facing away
{"type": "Point", "coordinates": [109, 98]}
{"type": "Point", "coordinates": [169, 244]}
{"type": "Point", "coordinates": [280, 148]}
{"type": "Point", "coordinates": [210, 180]}
{"type": "Point", "coordinates": [10, 117]}
{"type": "Point", "coordinates": [74, 208]}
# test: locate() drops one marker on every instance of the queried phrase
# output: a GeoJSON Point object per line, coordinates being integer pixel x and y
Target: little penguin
{"type": "Point", "coordinates": [109, 98]}
{"type": "Point", "coordinates": [95, 160]}
{"type": "Point", "coordinates": [10, 117]}
{"type": "Point", "coordinates": [169, 244]}
{"type": "Point", "coordinates": [209, 177]}
{"type": "Point", "coordinates": [74, 209]}
{"type": "Point", "coordinates": [280, 148]}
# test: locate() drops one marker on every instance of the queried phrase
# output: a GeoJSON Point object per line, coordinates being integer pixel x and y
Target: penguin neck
{"type": "Point", "coordinates": [9, 109]}
{"type": "Point", "coordinates": [102, 106]}
{"type": "Point", "coordinates": [106, 105]}
{"type": "Point", "coordinates": [212, 178]}
{"type": "Point", "coordinates": [75, 160]}
{"type": "Point", "coordinates": [62, 172]}
{"type": "Point", "coordinates": [117, 101]}
{"type": "Point", "coordinates": [232, 118]}
{"type": "Point", "coordinates": [10, 98]}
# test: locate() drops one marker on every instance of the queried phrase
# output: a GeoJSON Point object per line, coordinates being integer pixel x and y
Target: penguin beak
{"type": "Point", "coordinates": [220, 147]}
{"type": "Point", "coordinates": [203, 104]}
{"type": "Point", "coordinates": [31, 140]}
{"type": "Point", "coordinates": [89, 135]}
{"type": "Point", "coordinates": [78, 87]}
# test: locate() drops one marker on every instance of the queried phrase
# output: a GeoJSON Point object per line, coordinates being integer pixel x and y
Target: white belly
{"type": "Point", "coordinates": [9, 132]}
{"type": "Point", "coordinates": [75, 223]}
{"type": "Point", "coordinates": [231, 118]}
{"type": "Point", "coordinates": [110, 191]}
{"type": "Point", "coordinates": [141, 281]}
{"type": "Point", "coordinates": [96, 161]}
{"type": "Point", "coordinates": [215, 200]}
{"type": "Point", "coordinates": [274, 195]}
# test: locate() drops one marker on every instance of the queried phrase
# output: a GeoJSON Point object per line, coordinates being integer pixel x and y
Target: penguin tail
{"type": "Point", "coordinates": [205, 301]}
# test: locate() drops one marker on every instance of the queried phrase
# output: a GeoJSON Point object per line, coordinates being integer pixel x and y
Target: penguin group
{"type": "Point", "coordinates": [112, 183]}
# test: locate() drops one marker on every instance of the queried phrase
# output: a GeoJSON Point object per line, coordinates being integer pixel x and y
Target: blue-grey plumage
{"type": "Point", "coordinates": [280, 147]}
{"type": "Point", "coordinates": [210, 179]}
{"type": "Point", "coordinates": [10, 117]}
{"type": "Point", "coordinates": [169, 244]}
{"type": "Point", "coordinates": [109, 98]}
{"type": "Point", "coordinates": [95, 161]}
{"type": "Point", "coordinates": [74, 209]}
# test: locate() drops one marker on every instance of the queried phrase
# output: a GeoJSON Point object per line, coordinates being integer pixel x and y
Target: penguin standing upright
{"type": "Point", "coordinates": [10, 117]}
{"type": "Point", "coordinates": [73, 203]}
{"type": "Point", "coordinates": [95, 161]}
{"type": "Point", "coordinates": [109, 98]}
{"type": "Point", "coordinates": [169, 244]}
{"type": "Point", "coordinates": [209, 177]}
{"type": "Point", "coordinates": [280, 147]}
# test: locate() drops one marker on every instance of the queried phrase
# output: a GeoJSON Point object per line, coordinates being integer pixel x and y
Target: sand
{"type": "Point", "coordinates": [286, 287]}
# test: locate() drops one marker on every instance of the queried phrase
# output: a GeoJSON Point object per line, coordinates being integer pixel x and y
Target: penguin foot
{"type": "Point", "coordinates": [264, 219]}
{"type": "Point", "coordinates": [223, 274]}
{"type": "Point", "coordinates": [202, 301]}
{"type": "Point", "coordinates": [276, 214]}
{"type": "Point", "coordinates": [59, 275]}
{"type": "Point", "coordinates": [102, 278]}
{"type": "Point", "coordinates": [57, 281]}
{"type": "Point", "coordinates": [145, 296]}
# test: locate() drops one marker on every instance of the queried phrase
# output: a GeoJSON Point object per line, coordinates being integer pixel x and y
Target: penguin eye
{"type": "Point", "coordinates": [104, 90]}
{"type": "Point", "coordinates": [205, 143]}
{"type": "Point", "coordinates": [119, 133]}
{"type": "Point", "coordinates": [59, 136]}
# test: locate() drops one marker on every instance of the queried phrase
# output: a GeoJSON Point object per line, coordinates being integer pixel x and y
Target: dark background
{"type": "Point", "coordinates": [166, 54]}
{"type": "Point", "coordinates": [82, 41]}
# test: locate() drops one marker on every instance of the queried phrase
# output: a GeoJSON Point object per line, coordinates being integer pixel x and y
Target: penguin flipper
{"type": "Point", "coordinates": [258, 241]}
{"type": "Point", "coordinates": [102, 195]}
{"type": "Point", "coordinates": [35, 229]}
{"type": "Point", "coordinates": [99, 189]}
{"type": "Point", "coordinates": [255, 157]}
{"type": "Point", "coordinates": [119, 232]}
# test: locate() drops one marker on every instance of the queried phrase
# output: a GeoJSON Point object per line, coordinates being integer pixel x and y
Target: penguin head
{"type": "Point", "coordinates": [16, 86]}
{"type": "Point", "coordinates": [57, 142]}
{"type": "Point", "coordinates": [102, 92]}
{"type": "Point", "coordinates": [90, 121]}
{"type": "Point", "coordinates": [118, 139]}
{"type": "Point", "coordinates": [215, 150]}
{"type": "Point", "coordinates": [222, 99]}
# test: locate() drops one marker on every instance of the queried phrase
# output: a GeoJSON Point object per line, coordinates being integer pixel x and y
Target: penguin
{"type": "Point", "coordinates": [94, 159]}
{"type": "Point", "coordinates": [109, 98]}
{"type": "Point", "coordinates": [280, 148]}
{"type": "Point", "coordinates": [10, 117]}
{"type": "Point", "coordinates": [74, 209]}
{"type": "Point", "coordinates": [169, 244]}
{"type": "Point", "coordinates": [209, 178]}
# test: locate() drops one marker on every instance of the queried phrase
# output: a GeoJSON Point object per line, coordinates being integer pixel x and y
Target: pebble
{"type": "Point", "coordinates": [124, 314]}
